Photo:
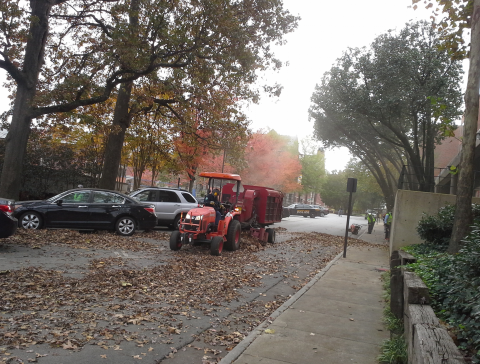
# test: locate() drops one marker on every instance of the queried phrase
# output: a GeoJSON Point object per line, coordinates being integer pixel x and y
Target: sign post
{"type": "Point", "coordinates": [351, 187]}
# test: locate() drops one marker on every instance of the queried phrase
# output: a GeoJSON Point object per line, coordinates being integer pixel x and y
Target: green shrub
{"type": "Point", "coordinates": [454, 284]}
{"type": "Point", "coordinates": [436, 230]}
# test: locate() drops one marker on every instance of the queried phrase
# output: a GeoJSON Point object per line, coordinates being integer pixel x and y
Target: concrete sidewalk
{"type": "Point", "coordinates": [336, 318]}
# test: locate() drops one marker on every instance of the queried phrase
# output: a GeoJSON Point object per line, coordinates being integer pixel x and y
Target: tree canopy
{"type": "Point", "coordinates": [65, 54]}
{"type": "Point", "coordinates": [389, 103]}
{"type": "Point", "coordinates": [312, 160]}
{"type": "Point", "coordinates": [270, 162]}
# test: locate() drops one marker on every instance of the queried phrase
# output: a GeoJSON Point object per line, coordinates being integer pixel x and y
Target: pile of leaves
{"type": "Point", "coordinates": [83, 240]}
{"type": "Point", "coordinates": [454, 285]}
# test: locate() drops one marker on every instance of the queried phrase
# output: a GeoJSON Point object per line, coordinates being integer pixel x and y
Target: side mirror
{"type": "Point", "coordinates": [59, 202]}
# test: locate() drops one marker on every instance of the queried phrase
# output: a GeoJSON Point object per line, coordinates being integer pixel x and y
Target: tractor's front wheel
{"type": "Point", "coordinates": [233, 235]}
{"type": "Point", "coordinates": [175, 241]}
{"type": "Point", "coordinates": [216, 246]}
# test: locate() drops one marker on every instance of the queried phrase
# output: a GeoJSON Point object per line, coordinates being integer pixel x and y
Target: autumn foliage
{"type": "Point", "coordinates": [271, 162]}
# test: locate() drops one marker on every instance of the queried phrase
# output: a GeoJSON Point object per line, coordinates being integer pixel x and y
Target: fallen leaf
{"type": "Point", "coordinates": [69, 345]}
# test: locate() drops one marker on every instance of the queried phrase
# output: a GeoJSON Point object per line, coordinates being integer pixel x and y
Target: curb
{"type": "Point", "coordinates": [243, 345]}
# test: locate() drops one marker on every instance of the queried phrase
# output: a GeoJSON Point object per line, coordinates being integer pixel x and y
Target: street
{"type": "Point", "coordinates": [330, 224]}
{"type": "Point", "coordinates": [83, 298]}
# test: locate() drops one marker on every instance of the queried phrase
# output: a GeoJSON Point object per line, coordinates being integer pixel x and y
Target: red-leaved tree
{"type": "Point", "coordinates": [272, 161]}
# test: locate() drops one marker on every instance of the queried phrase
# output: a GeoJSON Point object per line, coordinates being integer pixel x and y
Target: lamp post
{"type": "Point", "coordinates": [351, 187]}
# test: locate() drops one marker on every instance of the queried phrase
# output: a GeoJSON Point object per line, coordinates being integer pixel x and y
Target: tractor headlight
{"type": "Point", "coordinates": [238, 209]}
{"type": "Point", "coordinates": [187, 217]}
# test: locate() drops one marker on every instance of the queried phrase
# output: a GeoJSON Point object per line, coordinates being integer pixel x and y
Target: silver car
{"type": "Point", "coordinates": [169, 203]}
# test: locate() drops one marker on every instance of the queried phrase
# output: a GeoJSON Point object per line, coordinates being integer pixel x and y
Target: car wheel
{"type": "Point", "coordinates": [271, 235]}
{"type": "Point", "coordinates": [322, 214]}
{"type": "Point", "coordinates": [312, 216]}
{"type": "Point", "coordinates": [175, 241]}
{"type": "Point", "coordinates": [233, 235]}
{"type": "Point", "coordinates": [31, 220]}
{"type": "Point", "coordinates": [216, 246]}
{"type": "Point", "coordinates": [125, 226]}
{"type": "Point", "coordinates": [176, 223]}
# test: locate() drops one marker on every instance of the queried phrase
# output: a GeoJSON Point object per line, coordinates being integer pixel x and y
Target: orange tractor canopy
{"type": "Point", "coordinates": [246, 207]}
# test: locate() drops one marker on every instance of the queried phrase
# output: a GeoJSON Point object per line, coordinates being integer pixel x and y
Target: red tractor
{"type": "Point", "coordinates": [245, 207]}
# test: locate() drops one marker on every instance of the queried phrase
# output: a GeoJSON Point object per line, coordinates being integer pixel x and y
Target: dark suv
{"type": "Point", "coordinates": [169, 203]}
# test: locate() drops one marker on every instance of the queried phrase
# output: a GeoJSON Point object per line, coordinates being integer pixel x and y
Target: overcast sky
{"type": "Point", "coordinates": [327, 29]}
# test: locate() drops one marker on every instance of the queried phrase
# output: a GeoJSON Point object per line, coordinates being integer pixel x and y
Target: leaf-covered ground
{"type": "Point", "coordinates": [164, 306]}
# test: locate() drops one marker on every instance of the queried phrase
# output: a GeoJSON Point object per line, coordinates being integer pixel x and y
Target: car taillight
{"type": "Point", "coordinates": [150, 209]}
{"type": "Point", "coordinates": [6, 208]}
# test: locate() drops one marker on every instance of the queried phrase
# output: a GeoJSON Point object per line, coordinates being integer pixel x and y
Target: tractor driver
{"type": "Point", "coordinates": [212, 200]}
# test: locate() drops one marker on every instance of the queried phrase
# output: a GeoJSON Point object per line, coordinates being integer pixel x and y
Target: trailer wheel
{"type": "Point", "coordinates": [233, 235]}
{"type": "Point", "coordinates": [271, 235]}
{"type": "Point", "coordinates": [216, 246]}
{"type": "Point", "coordinates": [175, 241]}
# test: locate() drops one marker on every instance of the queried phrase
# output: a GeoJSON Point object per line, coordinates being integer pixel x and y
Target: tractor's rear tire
{"type": "Point", "coordinates": [271, 235]}
{"type": "Point", "coordinates": [233, 236]}
{"type": "Point", "coordinates": [216, 245]}
{"type": "Point", "coordinates": [175, 241]}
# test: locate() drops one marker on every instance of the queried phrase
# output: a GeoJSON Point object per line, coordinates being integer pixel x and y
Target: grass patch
{"type": "Point", "coordinates": [394, 350]}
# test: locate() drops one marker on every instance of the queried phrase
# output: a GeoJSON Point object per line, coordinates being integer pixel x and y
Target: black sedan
{"type": "Point", "coordinates": [87, 209]}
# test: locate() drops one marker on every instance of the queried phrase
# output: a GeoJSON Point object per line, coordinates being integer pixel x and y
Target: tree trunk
{"type": "Point", "coordinates": [154, 175]}
{"type": "Point", "coordinates": [430, 154]}
{"type": "Point", "coordinates": [113, 149]}
{"type": "Point", "coordinates": [191, 177]}
{"type": "Point", "coordinates": [190, 185]}
{"type": "Point", "coordinates": [17, 137]}
{"type": "Point", "coordinates": [463, 214]}
{"type": "Point", "coordinates": [121, 120]}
